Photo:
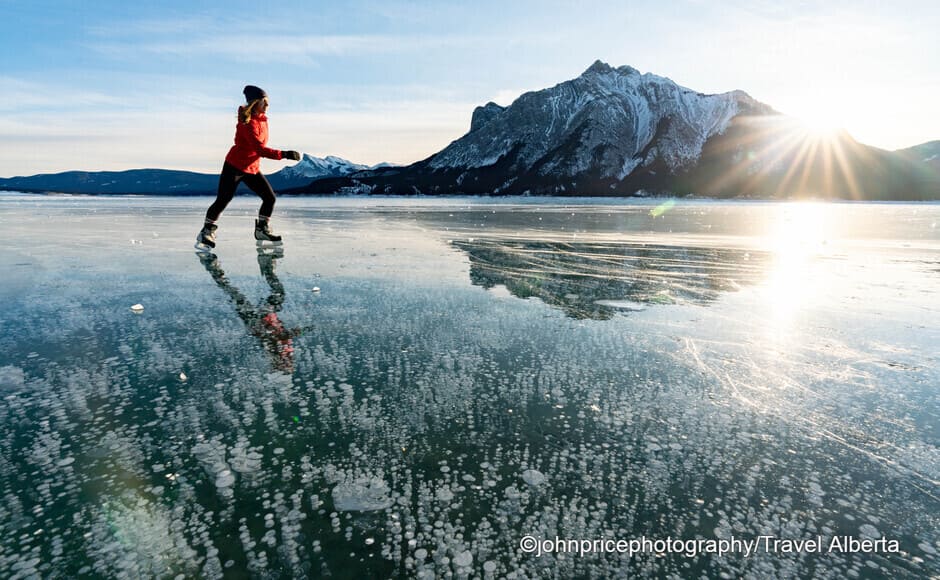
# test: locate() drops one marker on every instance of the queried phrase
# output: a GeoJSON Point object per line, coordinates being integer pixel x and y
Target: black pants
{"type": "Point", "coordinates": [228, 183]}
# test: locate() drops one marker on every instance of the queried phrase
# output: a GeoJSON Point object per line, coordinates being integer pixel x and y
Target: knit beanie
{"type": "Point", "coordinates": [253, 93]}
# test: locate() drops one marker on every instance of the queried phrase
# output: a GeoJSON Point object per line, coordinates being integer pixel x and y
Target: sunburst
{"type": "Point", "coordinates": [783, 157]}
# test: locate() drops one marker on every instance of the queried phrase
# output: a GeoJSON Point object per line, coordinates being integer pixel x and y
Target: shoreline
{"type": "Point", "coordinates": [496, 199]}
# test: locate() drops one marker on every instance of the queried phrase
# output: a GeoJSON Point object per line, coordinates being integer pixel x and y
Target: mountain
{"type": "Point", "coordinates": [135, 181]}
{"type": "Point", "coordinates": [615, 131]}
{"type": "Point", "coordinates": [310, 168]}
{"type": "Point", "coordinates": [925, 153]}
{"type": "Point", "coordinates": [166, 181]}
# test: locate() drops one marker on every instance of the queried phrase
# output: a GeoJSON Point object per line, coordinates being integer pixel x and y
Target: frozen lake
{"type": "Point", "coordinates": [415, 386]}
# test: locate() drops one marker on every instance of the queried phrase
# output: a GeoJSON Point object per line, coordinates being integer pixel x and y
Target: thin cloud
{"type": "Point", "coordinates": [150, 92]}
{"type": "Point", "coordinates": [21, 94]}
{"type": "Point", "coordinates": [167, 26]}
{"type": "Point", "coordinates": [377, 131]}
{"type": "Point", "coordinates": [265, 48]}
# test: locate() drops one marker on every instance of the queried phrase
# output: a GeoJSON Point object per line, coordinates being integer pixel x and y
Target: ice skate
{"type": "Point", "coordinates": [205, 239]}
{"type": "Point", "coordinates": [263, 234]}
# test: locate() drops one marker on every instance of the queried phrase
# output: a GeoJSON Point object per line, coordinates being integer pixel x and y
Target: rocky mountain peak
{"type": "Point", "coordinates": [599, 67]}
{"type": "Point", "coordinates": [602, 68]}
{"type": "Point", "coordinates": [608, 122]}
{"type": "Point", "coordinates": [483, 115]}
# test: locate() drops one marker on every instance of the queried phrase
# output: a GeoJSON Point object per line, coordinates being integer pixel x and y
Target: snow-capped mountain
{"type": "Point", "coordinates": [617, 117]}
{"type": "Point", "coordinates": [615, 131]}
{"type": "Point", "coordinates": [310, 168]}
{"type": "Point", "coordinates": [604, 126]}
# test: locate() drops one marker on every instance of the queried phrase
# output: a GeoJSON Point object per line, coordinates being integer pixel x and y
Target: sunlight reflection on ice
{"type": "Point", "coordinates": [797, 237]}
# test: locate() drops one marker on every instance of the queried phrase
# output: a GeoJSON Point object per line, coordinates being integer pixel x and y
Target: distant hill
{"type": "Point", "coordinates": [617, 132]}
{"type": "Point", "coordinates": [170, 182]}
{"type": "Point", "coordinates": [925, 153]}
{"type": "Point", "coordinates": [138, 181]}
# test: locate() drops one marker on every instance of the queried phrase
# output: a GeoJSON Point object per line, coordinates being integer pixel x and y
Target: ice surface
{"type": "Point", "coordinates": [468, 376]}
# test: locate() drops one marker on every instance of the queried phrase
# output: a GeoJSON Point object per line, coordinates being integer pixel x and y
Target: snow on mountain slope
{"type": "Point", "coordinates": [311, 167]}
{"type": "Point", "coordinates": [609, 121]}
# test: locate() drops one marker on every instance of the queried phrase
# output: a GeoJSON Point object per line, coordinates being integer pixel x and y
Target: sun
{"type": "Point", "coordinates": [821, 128]}
{"type": "Point", "coordinates": [821, 119]}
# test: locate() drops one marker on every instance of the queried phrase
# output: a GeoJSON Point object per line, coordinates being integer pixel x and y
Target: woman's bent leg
{"type": "Point", "coordinates": [259, 184]}
{"type": "Point", "coordinates": [228, 183]}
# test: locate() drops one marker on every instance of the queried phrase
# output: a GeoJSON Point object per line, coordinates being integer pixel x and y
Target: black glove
{"type": "Point", "coordinates": [290, 155]}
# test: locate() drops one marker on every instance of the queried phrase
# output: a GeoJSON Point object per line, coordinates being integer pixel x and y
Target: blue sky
{"type": "Point", "coordinates": [121, 85]}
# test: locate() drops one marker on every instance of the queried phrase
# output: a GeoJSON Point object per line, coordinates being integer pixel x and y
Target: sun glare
{"type": "Point", "coordinates": [795, 235]}
{"type": "Point", "coordinates": [820, 128]}
{"type": "Point", "coordinates": [820, 131]}
{"type": "Point", "coordinates": [798, 230]}
{"type": "Point", "coordinates": [822, 115]}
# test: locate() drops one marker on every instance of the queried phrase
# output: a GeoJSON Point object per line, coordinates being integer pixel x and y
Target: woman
{"type": "Point", "coordinates": [243, 164]}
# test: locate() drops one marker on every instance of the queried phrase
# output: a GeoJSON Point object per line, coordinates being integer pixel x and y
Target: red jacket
{"type": "Point", "coordinates": [251, 140]}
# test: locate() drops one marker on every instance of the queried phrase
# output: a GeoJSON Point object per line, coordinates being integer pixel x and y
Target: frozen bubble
{"type": "Point", "coordinates": [445, 494]}
{"type": "Point", "coordinates": [362, 495]}
{"type": "Point", "coordinates": [315, 289]}
{"type": "Point", "coordinates": [533, 477]}
{"type": "Point", "coordinates": [489, 566]}
{"type": "Point", "coordinates": [927, 548]}
{"type": "Point", "coordinates": [225, 479]}
{"type": "Point", "coordinates": [183, 377]}
{"type": "Point", "coordinates": [11, 376]}
{"type": "Point", "coordinates": [66, 461]}
{"type": "Point", "coordinates": [137, 308]}
{"type": "Point", "coordinates": [464, 559]}
{"type": "Point", "coordinates": [421, 553]}
{"type": "Point", "coordinates": [869, 531]}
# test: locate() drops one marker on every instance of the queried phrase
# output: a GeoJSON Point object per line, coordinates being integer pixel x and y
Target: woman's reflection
{"type": "Point", "coordinates": [262, 320]}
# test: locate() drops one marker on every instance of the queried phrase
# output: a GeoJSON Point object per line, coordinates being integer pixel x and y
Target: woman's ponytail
{"type": "Point", "coordinates": [244, 112]}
